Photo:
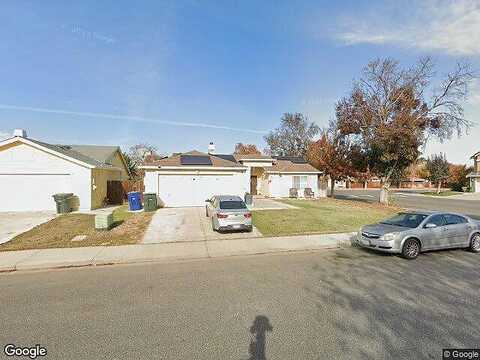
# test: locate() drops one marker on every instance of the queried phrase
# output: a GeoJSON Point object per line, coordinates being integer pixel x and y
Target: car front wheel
{"type": "Point", "coordinates": [475, 243]}
{"type": "Point", "coordinates": [411, 249]}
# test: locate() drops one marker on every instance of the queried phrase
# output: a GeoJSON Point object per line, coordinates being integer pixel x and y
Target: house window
{"type": "Point", "coordinates": [300, 182]}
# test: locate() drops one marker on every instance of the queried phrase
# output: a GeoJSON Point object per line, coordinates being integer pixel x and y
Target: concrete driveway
{"type": "Point", "coordinates": [187, 224]}
{"type": "Point", "coordinates": [15, 223]}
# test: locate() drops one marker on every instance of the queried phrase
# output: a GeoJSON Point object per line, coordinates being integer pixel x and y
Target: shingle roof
{"type": "Point", "coordinates": [97, 152]}
{"type": "Point", "coordinates": [175, 160]}
{"type": "Point", "coordinates": [288, 166]}
{"type": "Point", "coordinates": [294, 159]}
{"type": "Point", "coordinates": [91, 154]}
{"type": "Point", "coordinates": [251, 156]}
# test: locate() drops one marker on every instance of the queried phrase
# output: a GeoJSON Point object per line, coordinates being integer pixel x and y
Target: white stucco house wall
{"type": "Point", "coordinates": [188, 179]}
{"type": "Point", "coordinates": [32, 171]}
{"type": "Point", "coordinates": [475, 175]}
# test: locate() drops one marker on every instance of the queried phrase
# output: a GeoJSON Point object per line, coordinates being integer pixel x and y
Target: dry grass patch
{"type": "Point", "coordinates": [59, 232]}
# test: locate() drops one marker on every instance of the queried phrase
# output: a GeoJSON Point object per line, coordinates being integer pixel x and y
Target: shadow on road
{"type": "Point", "coordinates": [261, 325]}
{"type": "Point", "coordinates": [390, 301]}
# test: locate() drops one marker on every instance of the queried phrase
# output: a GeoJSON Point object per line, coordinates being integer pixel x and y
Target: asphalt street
{"type": "Point", "coordinates": [411, 200]}
{"type": "Point", "coordinates": [338, 304]}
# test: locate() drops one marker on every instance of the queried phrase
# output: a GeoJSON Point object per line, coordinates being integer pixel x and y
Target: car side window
{"type": "Point", "coordinates": [438, 220]}
{"type": "Point", "coordinates": [454, 219]}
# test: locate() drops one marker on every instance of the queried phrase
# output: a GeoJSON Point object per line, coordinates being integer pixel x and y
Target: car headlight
{"type": "Point", "coordinates": [390, 236]}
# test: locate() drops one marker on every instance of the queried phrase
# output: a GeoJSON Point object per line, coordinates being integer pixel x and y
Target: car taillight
{"type": "Point", "coordinates": [248, 215]}
{"type": "Point", "coordinates": [222, 216]}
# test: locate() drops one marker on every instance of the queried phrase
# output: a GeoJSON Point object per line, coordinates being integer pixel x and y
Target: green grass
{"type": "Point", "coordinates": [59, 232]}
{"type": "Point", "coordinates": [442, 193]}
{"type": "Point", "coordinates": [319, 216]}
{"type": "Point", "coordinates": [121, 214]}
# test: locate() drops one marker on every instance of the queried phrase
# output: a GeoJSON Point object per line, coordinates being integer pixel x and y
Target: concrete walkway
{"type": "Point", "coordinates": [108, 255]}
{"type": "Point", "coordinates": [16, 223]}
{"type": "Point", "coordinates": [261, 203]}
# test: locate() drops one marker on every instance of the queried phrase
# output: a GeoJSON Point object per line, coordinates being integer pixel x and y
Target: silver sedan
{"type": "Point", "coordinates": [228, 213]}
{"type": "Point", "coordinates": [410, 233]}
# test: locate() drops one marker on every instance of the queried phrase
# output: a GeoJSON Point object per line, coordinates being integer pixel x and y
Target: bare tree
{"type": "Point", "coordinates": [138, 154]}
{"type": "Point", "coordinates": [293, 137]}
{"type": "Point", "coordinates": [392, 112]}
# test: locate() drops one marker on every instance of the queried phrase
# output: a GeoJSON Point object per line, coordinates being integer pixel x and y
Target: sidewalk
{"type": "Point", "coordinates": [108, 255]}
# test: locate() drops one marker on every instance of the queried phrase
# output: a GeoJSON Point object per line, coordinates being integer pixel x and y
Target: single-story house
{"type": "Point", "coordinates": [475, 175]}
{"type": "Point", "coordinates": [188, 179]}
{"type": "Point", "coordinates": [32, 171]}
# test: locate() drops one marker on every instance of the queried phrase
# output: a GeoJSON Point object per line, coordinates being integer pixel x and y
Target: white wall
{"type": "Point", "coordinates": [475, 184]}
{"type": "Point", "coordinates": [21, 164]}
{"type": "Point", "coordinates": [150, 180]}
{"type": "Point", "coordinates": [191, 188]}
{"type": "Point", "coordinates": [280, 184]}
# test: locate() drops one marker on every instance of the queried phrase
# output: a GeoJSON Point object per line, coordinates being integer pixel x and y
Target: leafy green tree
{"type": "Point", "coordinates": [438, 169]}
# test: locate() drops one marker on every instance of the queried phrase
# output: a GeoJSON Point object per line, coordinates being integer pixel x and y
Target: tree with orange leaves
{"type": "Point", "coordinates": [246, 149]}
{"type": "Point", "coordinates": [332, 154]}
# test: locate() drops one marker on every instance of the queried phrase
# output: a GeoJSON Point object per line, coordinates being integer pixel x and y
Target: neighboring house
{"type": "Point", "coordinates": [32, 171]}
{"type": "Point", "coordinates": [475, 175]}
{"type": "Point", "coordinates": [415, 183]}
{"type": "Point", "coordinates": [188, 179]}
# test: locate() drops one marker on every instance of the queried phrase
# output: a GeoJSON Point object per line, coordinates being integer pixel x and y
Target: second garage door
{"type": "Point", "coordinates": [29, 192]}
{"type": "Point", "coordinates": [185, 190]}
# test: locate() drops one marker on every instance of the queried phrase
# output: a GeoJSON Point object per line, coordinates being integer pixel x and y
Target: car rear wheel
{"type": "Point", "coordinates": [475, 243]}
{"type": "Point", "coordinates": [411, 249]}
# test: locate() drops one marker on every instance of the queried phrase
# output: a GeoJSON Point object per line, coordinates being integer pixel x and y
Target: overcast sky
{"type": "Point", "coordinates": [179, 74]}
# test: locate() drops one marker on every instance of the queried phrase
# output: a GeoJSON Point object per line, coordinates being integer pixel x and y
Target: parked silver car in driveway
{"type": "Point", "coordinates": [228, 213]}
{"type": "Point", "coordinates": [410, 233]}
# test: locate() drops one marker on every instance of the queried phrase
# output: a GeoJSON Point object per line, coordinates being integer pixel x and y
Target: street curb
{"type": "Point", "coordinates": [60, 258]}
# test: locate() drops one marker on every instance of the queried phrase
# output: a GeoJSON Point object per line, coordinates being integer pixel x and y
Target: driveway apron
{"type": "Point", "coordinates": [186, 225]}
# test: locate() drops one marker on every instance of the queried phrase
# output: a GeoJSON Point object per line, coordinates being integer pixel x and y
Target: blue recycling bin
{"type": "Point", "coordinates": [134, 200]}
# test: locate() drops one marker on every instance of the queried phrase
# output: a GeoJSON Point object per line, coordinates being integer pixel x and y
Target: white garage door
{"type": "Point", "coordinates": [190, 190]}
{"type": "Point", "coordinates": [31, 192]}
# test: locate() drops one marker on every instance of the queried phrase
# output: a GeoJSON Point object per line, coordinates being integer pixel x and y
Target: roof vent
{"type": "Point", "coordinates": [20, 132]}
{"type": "Point", "coordinates": [211, 148]}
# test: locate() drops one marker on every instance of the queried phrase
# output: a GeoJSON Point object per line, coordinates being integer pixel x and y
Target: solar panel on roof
{"type": "Point", "coordinates": [293, 159]}
{"type": "Point", "coordinates": [195, 160]}
{"type": "Point", "coordinates": [227, 157]}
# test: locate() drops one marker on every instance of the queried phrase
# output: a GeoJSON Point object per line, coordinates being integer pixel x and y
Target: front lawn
{"type": "Point", "coordinates": [442, 193]}
{"type": "Point", "coordinates": [59, 232]}
{"type": "Point", "coordinates": [319, 216]}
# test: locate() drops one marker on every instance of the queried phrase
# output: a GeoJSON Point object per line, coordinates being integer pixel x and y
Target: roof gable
{"type": "Point", "coordinates": [69, 152]}
{"type": "Point", "coordinates": [176, 160]}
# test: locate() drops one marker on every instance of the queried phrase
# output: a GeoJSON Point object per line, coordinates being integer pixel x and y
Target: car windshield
{"type": "Point", "coordinates": [406, 220]}
{"type": "Point", "coordinates": [232, 205]}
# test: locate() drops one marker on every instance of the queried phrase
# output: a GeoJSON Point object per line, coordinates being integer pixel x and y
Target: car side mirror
{"type": "Point", "coordinates": [430, 226]}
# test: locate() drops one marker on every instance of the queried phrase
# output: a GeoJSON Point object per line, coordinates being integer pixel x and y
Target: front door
{"type": "Point", "coordinates": [253, 185]}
